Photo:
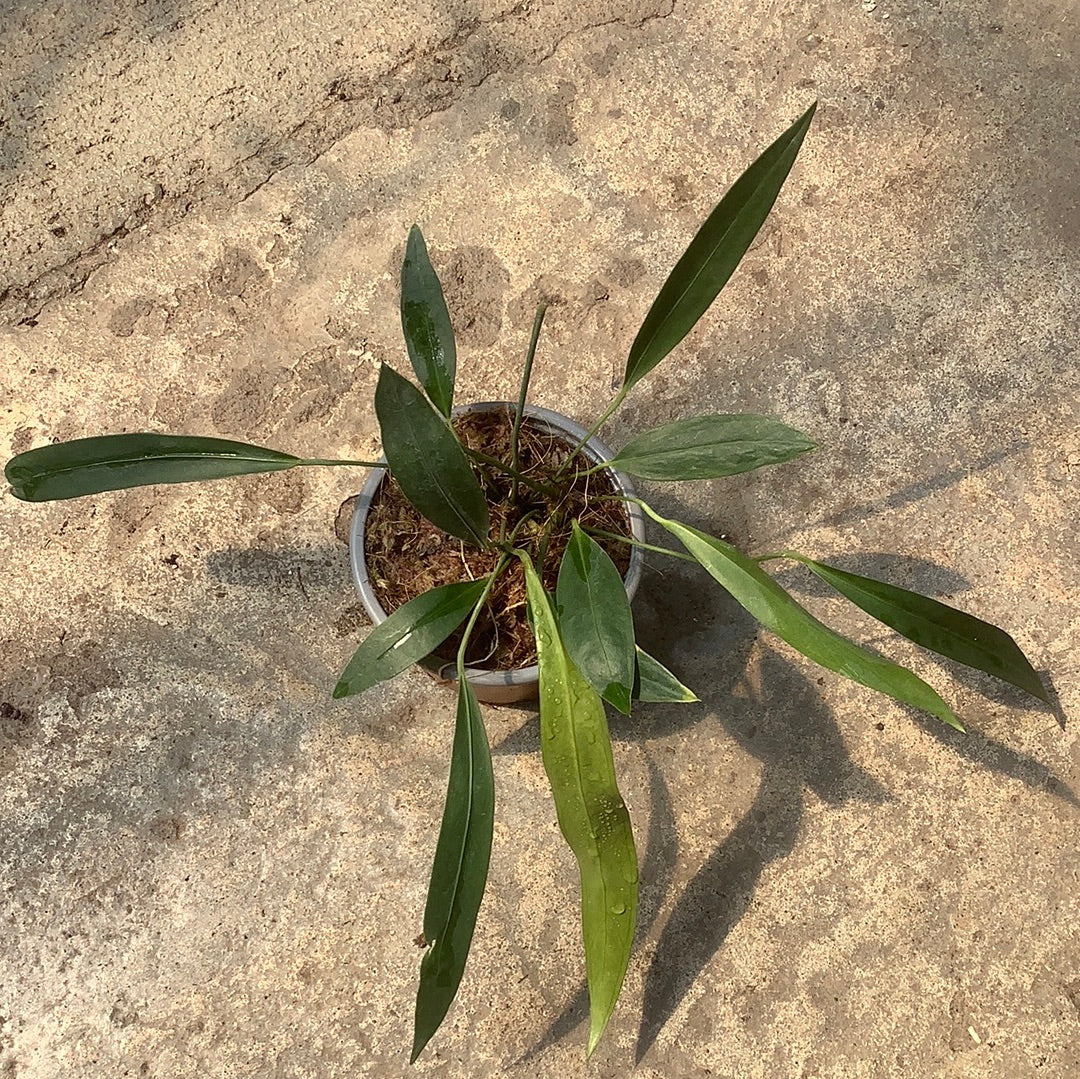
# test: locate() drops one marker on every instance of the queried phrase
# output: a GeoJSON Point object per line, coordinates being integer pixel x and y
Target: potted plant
{"type": "Point", "coordinates": [524, 536]}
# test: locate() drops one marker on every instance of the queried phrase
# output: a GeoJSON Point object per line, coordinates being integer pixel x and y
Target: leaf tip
{"type": "Point", "coordinates": [953, 721]}
{"type": "Point", "coordinates": [18, 477]}
{"type": "Point", "coordinates": [1033, 685]}
{"type": "Point", "coordinates": [340, 690]}
{"type": "Point", "coordinates": [597, 1026]}
{"type": "Point", "coordinates": [619, 697]}
{"type": "Point", "coordinates": [413, 246]}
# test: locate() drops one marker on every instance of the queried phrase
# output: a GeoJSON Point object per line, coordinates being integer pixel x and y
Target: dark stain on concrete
{"type": "Point", "coordinates": [474, 282]}
{"type": "Point", "coordinates": [123, 320]}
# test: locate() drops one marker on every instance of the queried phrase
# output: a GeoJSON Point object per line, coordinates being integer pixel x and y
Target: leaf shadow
{"type": "Point", "coordinates": [714, 901]}
{"type": "Point", "coordinates": [787, 727]}
{"type": "Point", "coordinates": [292, 570]}
{"type": "Point", "coordinates": [987, 752]}
{"type": "Point", "coordinates": [774, 712]}
{"type": "Point", "coordinates": [917, 491]}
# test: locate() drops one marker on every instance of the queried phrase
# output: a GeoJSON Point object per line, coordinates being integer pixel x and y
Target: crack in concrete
{"type": "Point", "coordinates": [416, 87]}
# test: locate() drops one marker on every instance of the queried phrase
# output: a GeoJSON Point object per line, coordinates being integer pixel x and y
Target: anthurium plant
{"type": "Point", "coordinates": [579, 615]}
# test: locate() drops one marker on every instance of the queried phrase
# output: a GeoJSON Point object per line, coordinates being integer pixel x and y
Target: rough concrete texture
{"type": "Point", "coordinates": [209, 867]}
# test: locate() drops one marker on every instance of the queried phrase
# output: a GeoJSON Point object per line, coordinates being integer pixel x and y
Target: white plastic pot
{"type": "Point", "coordinates": [495, 687]}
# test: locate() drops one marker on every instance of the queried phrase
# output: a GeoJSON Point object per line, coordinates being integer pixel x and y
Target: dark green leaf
{"type": "Point", "coordinates": [654, 682]}
{"type": "Point", "coordinates": [576, 749]}
{"type": "Point", "coordinates": [408, 634]}
{"type": "Point", "coordinates": [934, 625]}
{"type": "Point", "coordinates": [88, 466]}
{"type": "Point", "coordinates": [704, 447]}
{"type": "Point", "coordinates": [425, 322]}
{"type": "Point", "coordinates": [427, 460]}
{"type": "Point", "coordinates": [751, 586]}
{"type": "Point", "coordinates": [595, 620]}
{"type": "Point", "coordinates": [460, 869]}
{"type": "Point", "coordinates": [714, 253]}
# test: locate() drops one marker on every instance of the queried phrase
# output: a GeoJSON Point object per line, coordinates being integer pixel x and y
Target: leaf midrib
{"type": "Point", "coordinates": [596, 622]}
{"type": "Point", "coordinates": [592, 831]}
{"type": "Point", "coordinates": [155, 458]}
{"type": "Point", "coordinates": [460, 862]}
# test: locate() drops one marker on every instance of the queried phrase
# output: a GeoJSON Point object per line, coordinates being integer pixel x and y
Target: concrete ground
{"type": "Point", "coordinates": [212, 869]}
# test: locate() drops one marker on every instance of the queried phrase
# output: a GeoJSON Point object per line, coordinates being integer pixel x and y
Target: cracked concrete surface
{"type": "Point", "coordinates": [210, 868]}
{"type": "Point", "coordinates": [126, 120]}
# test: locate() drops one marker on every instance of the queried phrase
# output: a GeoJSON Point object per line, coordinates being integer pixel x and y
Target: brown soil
{"type": "Point", "coordinates": [407, 555]}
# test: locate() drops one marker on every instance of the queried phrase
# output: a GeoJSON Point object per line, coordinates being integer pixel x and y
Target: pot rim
{"type": "Point", "coordinates": [593, 449]}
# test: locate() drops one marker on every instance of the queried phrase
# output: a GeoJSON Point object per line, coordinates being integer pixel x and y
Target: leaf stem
{"type": "Point", "coordinates": [494, 462]}
{"type": "Point", "coordinates": [354, 464]}
{"type": "Point", "coordinates": [507, 544]}
{"type": "Point", "coordinates": [499, 567]}
{"type": "Point", "coordinates": [608, 412]}
{"type": "Point", "coordinates": [773, 555]}
{"type": "Point", "coordinates": [526, 375]}
{"type": "Point", "coordinates": [545, 539]}
{"type": "Point", "coordinates": [639, 543]}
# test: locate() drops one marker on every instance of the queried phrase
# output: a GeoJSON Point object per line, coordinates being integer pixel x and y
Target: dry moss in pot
{"type": "Point", "coordinates": [398, 555]}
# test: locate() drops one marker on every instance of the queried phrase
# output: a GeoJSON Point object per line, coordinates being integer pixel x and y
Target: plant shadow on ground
{"type": "Point", "coordinates": [772, 710]}
{"type": "Point", "coordinates": [784, 725]}
{"type": "Point", "coordinates": [209, 684]}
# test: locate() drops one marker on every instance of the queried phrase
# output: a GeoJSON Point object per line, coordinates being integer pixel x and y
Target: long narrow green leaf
{"type": "Point", "coordinates": [653, 682]}
{"type": "Point", "coordinates": [751, 586]}
{"type": "Point", "coordinates": [407, 635]}
{"type": "Point", "coordinates": [425, 322]}
{"type": "Point", "coordinates": [714, 253]}
{"type": "Point", "coordinates": [935, 626]}
{"type": "Point", "coordinates": [576, 749]}
{"type": "Point", "coordinates": [88, 466]}
{"type": "Point", "coordinates": [427, 460]}
{"type": "Point", "coordinates": [459, 871]}
{"type": "Point", "coordinates": [595, 619]}
{"type": "Point", "coordinates": [704, 447]}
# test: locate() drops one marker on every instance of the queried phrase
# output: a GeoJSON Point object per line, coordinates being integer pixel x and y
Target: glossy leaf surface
{"type": "Point", "coordinates": [88, 466]}
{"type": "Point", "coordinates": [595, 620]}
{"type": "Point", "coordinates": [654, 683]}
{"type": "Point", "coordinates": [459, 872]}
{"type": "Point", "coordinates": [408, 634]}
{"type": "Point", "coordinates": [425, 321]}
{"type": "Point", "coordinates": [704, 447]}
{"type": "Point", "coordinates": [576, 750]}
{"type": "Point", "coordinates": [752, 587]}
{"type": "Point", "coordinates": [935, 626]}
{"type": "Point", "coordinates": [714, 253]}
{"type": "Point", "coordinates": [427, 460]}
